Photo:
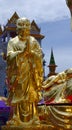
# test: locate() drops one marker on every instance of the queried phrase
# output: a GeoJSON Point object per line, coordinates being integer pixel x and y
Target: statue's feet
{"type": "Point", "coordinates": [15, 121]}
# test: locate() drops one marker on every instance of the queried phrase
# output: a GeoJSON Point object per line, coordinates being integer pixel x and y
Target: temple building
{"type": "Point", "coordinates": [52, 65]}
{"type": "Point", "coordinates": [6, 33]}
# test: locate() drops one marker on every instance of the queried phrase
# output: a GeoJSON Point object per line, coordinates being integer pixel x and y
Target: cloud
{"type": "Point", "coordinates": [39, 10]}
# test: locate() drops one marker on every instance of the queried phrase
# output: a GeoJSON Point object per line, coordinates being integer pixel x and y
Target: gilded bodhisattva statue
{"type": "Point", "coordinates": [25, 74]}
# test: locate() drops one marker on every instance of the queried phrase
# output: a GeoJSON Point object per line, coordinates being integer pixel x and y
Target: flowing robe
{"type": "Point", "coordinates": [25, 69]}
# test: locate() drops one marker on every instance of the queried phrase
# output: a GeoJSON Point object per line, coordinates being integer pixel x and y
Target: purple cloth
{"type": "Point", "coordinates": [2, 104]}
{"type": "Point", "coordinates": [41, 102]}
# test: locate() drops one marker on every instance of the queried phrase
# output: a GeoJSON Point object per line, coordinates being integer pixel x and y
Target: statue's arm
{"type": "Point", "coordinates": [58, 79]}
{"type": "Point", "coordinates": [11, 51]}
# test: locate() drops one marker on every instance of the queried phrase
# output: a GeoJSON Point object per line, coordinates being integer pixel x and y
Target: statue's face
{"type": "Point", "coordinates": [23, 30]}
{"type": "Point", "coordinates": [23, 34]}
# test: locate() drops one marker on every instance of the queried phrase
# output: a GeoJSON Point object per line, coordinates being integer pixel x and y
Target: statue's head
{"type": "Point", "coordinates": [23, 28]}
{"type": "Point", "coordinates": [69, 72]}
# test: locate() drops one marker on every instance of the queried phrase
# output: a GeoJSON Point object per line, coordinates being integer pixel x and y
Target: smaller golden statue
{"type": "Point", "coordinates": [59, 87]}
{"type": "Point", "coordinates": [25, 74]}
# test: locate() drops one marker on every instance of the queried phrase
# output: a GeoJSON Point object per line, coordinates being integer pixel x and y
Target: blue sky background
{"type": "Point", "coordinates": [58, 36]}
{"type": "Point", "coordinates": [53, 17]}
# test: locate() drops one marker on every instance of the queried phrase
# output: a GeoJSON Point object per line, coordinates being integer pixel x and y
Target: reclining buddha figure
{"type": "Point", "coordinates": [58, 89]}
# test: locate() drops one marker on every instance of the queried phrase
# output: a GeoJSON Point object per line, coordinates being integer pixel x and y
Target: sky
{"type": "Point", "coordinates": [53, 17]}
{"type": "Point", "coordinates": [59, 37]}
{"type": "Point", "coordinates": [39, 10]}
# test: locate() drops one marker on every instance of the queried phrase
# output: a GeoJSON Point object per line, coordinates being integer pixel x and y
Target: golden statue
{"type": "Point", "coordinates": [25, 74]}
{"type": "Point", "coordinates": [59, 88]}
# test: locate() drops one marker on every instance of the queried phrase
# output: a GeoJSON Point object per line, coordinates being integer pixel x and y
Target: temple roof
{"type": "Point", "coordinates": [11, 24]}
{"type": "Point", "coordinates": [11, 27]}
{"type": "Point", "coordinates": [38, 36]}
{"type": "Point", "coordinates": [34, 26]}
{"type": "Point", "coordinates": [14, 18]}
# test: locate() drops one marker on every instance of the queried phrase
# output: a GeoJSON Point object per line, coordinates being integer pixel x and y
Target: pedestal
{"type": "Point", "coordinates": [35, 127]}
